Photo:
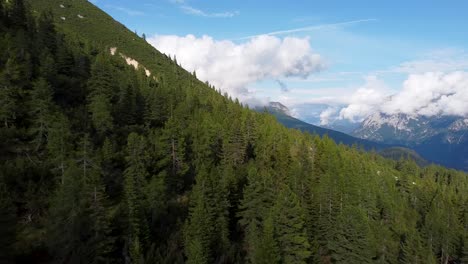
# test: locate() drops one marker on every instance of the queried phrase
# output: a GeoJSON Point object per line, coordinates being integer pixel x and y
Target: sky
{"type": "Point", "coordinates": [348, 59]}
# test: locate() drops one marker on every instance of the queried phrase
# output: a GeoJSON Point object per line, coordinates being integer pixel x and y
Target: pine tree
{"type": "Point", "coordinates": [199, 228]}
{"type": "Point", "coordinates": [267, 251]}
{"type": "Point", "coordinates": [7, 106]}
{"type": "Point", "coordinates": [68, 227]}
{"type": "Point", "coordinates": [41, 111]}
{"type": "Point", "coordinates": [101, 86]}
{"type": "Point", "coordinates": [290, 228]}
{"type": "Point", "coordinates": [46, 34]}
{"type": "Point", "coordinates": [101, 115]}
{"type": "Point", "coordinates": [59, 143]}
{"type": "Point", "coordinates": [254, 209]}
{"type": "Point", "coordinates": [101, 241]}
{"type": "Point", "coordinates": [350, 243]}
{"type": "Point", "coordinates": [135, 180]}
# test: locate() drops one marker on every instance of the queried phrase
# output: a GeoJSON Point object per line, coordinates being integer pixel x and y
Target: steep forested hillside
{"type": "Point", "coordinates": [100, 163]}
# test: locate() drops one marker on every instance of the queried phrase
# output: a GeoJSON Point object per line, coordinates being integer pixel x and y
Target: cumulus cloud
{"type": "Point", "coordinates": [327, 115]}
{"type": "Point", "coordinates": [231, 67]}
{"type": "Point", "coordinates": [366, 100]}
{"type": "Point", "coordinates": [430, 94]}
{"type": "Point", "coordinates": [427, 94]}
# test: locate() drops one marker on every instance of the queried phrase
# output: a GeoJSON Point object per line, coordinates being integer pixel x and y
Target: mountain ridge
{"type": "Point", "coordinates": [442, 139]}
{"type": "Point", "coordinates": [283, 115]}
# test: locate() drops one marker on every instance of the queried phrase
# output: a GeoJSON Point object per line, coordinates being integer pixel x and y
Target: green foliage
{"type": "Point", "coordinates": [100, 163]}
{"type": "Point", "coordinates": [134, 182]}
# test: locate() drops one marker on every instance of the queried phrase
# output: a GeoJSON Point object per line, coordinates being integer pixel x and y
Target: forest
{"type": "Point", "coordinates": [100, 163]}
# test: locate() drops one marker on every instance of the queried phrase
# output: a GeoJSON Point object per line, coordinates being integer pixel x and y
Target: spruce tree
{"type": "Point", "coordinates": [41, 111]}
{"type": "Point", "coordinates": [135, 180]}
{"type": "Point", "coordinates": [290, 228]}
{"type": "Point", "coordinates": [68, 228]}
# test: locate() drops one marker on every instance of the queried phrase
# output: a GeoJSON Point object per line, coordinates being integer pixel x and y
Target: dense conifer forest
{"type": "Point", "coordinates": [100, 163]}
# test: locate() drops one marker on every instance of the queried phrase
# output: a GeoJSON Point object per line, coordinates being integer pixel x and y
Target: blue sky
{"type": "Point", "coordinates": [367, 46]}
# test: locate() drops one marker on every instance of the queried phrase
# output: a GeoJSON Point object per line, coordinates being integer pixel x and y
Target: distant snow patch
{"type": "Point", "coordinates": [80, 16]}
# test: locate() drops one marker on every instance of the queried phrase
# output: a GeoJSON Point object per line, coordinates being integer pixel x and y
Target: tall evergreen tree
{"type": "Point", "coordinates": [41, 111]}
{"type": "Point", "coordinates": [68, 227]}
{"type": "Point", "coordinates": [135, 179]}
{"type": "Point", "coordinates": [290, 228]}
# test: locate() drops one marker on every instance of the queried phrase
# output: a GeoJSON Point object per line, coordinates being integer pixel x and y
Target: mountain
{"type": "Point", "coordinates": [103, 160]}
{"type": "Point", "coordinates": [282, 114]}
{"type": "Point", "coordinates": [278, 108]}
{"type": "Point", "coordinates": [442, 139]}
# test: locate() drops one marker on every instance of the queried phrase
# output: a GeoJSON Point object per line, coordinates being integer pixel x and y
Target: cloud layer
{"type": "Point", "coordinates": [428, 94]}
{"type": "Point", "coordinates": [231, 67]}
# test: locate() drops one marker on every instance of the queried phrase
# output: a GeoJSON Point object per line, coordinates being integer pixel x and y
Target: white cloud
{"type": "Point", "coordinates": [365, 100]}
{"type": "Point", "coordinates": [428, 94]}
{"type": "Point", "coordinates": [233, 67]}
{"type": "Point", "coordinates": [327, 115]}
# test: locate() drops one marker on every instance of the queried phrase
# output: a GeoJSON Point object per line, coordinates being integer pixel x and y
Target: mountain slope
{"type": "Point", "coordinates": [283, 116]}
{"type": "Point", "coordinates": [80, 19]}
{"type": "Point", "coordinates": [338, 137]}
{"type": "Point", "coordinates": [101, 163]}
{"type": "Point", "coordinates": [442, 139]}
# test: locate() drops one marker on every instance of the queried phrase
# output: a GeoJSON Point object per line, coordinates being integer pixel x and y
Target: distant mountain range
{"type": "Point", "coordinates": [283, 115]}
{"type": "Point", "coordinates": [441, 139]}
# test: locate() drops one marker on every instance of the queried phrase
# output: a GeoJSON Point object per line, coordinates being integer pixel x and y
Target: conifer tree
{"type": "Point", "coordinates": [135, 179]}
{"type": "Point", "coordinates": [68, 228]}
{"type": "Point", "coordinates": [290, 228]}
{"type": "Point", "coordinates": [46, 34]}
{"type": "Point", "coordinates": [59, 143]}
{"type": "Point", "coordinates": [199, 227]}
{"type": "Point", "coordinates": [41, 111]}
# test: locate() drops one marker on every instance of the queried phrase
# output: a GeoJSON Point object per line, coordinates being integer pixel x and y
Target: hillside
{"type": "Point", "coordinates": [101, 162]}
{"type": "Point", "coordinates": [85, 22]}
